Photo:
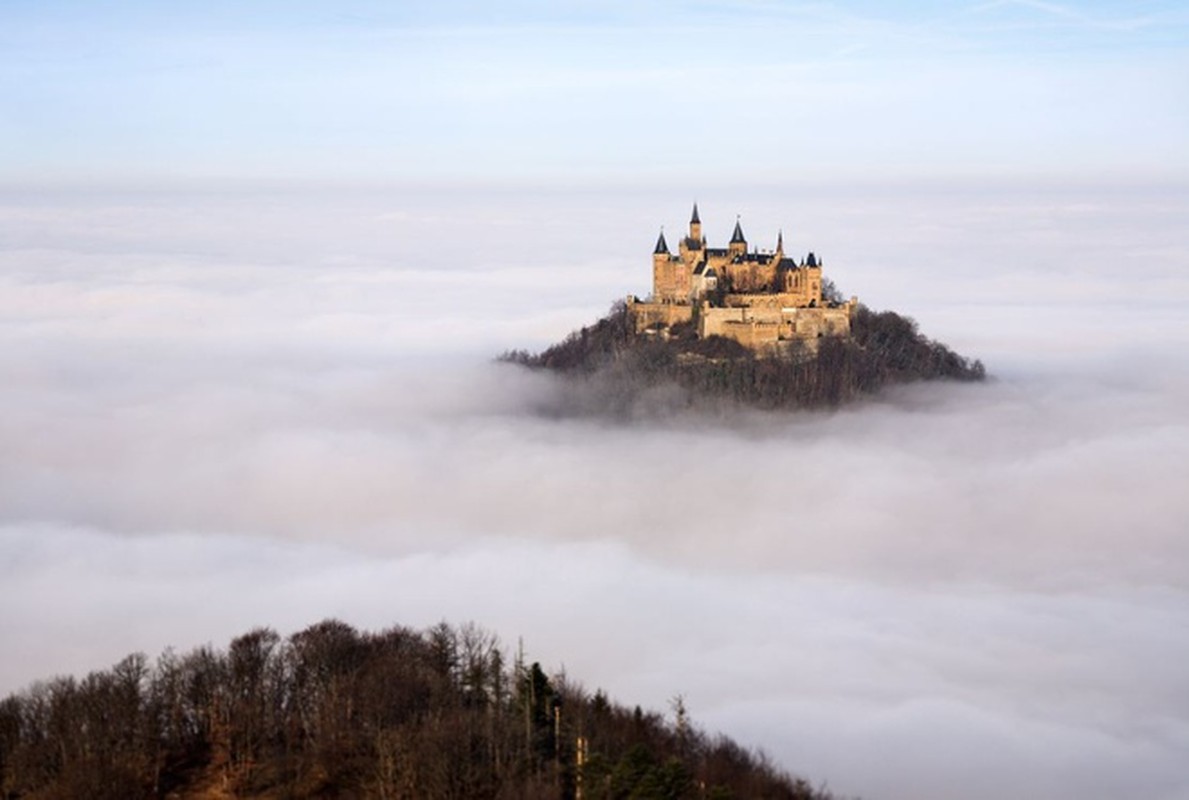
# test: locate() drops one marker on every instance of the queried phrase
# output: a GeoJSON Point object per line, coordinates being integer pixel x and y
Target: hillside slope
{"type": "Point", "coordinates": [884, 349]}
{"type": "Point", "coordinates": [332, 712]}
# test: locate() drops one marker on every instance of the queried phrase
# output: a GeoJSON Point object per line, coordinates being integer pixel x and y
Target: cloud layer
{"type": "Point", "coordinates": [231, 410]}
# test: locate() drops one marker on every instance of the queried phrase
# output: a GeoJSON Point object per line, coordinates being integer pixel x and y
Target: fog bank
{"type": "Point", "coordinates": [227, 410]}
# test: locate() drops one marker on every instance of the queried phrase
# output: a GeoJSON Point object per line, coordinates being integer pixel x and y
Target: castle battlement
{"type": "Point", "coordinates": [758, 298]}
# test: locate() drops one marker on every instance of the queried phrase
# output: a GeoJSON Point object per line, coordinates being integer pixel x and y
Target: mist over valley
{"type": "Point", "coordinates": [239, 407]}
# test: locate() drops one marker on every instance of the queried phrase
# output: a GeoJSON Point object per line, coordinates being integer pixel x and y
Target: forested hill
{"type": "Point", "coordinates": [620, 366]}
{"type": "Point", "coordinates": [333, 712]}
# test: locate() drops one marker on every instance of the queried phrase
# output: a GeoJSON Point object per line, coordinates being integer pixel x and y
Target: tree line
{"type": "Point", "coordinates": [883, 348]}
{"type": "Point", "coordinates": [334, 712]}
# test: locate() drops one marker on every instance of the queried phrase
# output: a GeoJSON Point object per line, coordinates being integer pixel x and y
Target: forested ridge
{"type": "Point", "coordinates": [884, 348]}
{"type": "Point", "coordinates": [334, 712]}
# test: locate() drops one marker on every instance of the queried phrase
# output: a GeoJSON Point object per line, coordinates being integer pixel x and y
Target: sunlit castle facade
{"type": "Point", "coordinates": [759, 298]}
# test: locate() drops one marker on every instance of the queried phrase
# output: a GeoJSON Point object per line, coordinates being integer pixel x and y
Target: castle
{"type": "Point", "coordinates": [764, 300]}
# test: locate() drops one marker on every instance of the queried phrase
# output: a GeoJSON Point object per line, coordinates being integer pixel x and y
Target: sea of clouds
{"type": "Point", "coordinates": [234, 407]}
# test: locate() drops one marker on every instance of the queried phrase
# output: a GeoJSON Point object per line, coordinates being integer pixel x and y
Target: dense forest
{"type": "Point", "coordinates": [333, 712]}
{"type": "Point", "coordinates": [619, 366]}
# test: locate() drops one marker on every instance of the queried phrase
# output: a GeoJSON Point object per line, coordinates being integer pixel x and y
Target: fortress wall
{"type": "Point", "coordinates": [798, 323]}
{"type": "Point", "coordinates": [645, 314]}
{"type": "Point", "coordinates": [778, 301]}
{"type": "Point", "coordinates": [809, 323]}
{"type": "Point", "coordinates": [754, 301]}
{"type": "Point", "coordinates": [837, 321]}
{"type": "Point", "coordinates": [758, 331]}
{"type": "Point", "coordinates": [758, 336]}
{"type": "Point", "coordinates": [712, 320]}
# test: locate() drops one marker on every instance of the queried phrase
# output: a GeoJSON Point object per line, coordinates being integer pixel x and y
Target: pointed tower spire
{"type": "Point", "coordinates": [738, 244]}
{"type": "Point", "coordinates": [695, 230]}
{"type": "Point", "coordinates": [737, 237]}
{"type": "Point", "coordinates": [662, 247]}
{"type": "Point", "coordinates": [780, 241]}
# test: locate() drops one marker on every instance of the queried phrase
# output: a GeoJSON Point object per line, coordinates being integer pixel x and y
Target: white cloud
{"type": "Point", "coordinates": [227, 412]}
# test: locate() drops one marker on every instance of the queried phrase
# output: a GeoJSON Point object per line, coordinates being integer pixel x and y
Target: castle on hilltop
{"type": "Point", "coordinates": [764, 300]}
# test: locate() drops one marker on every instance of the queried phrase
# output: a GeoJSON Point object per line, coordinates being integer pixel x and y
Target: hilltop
{"type": "Point", "coordinates": [882, 349]}
{"type": "Point", "coordinates": [332, 712]}
{"type": "Point", "coordinates": [756, 327]}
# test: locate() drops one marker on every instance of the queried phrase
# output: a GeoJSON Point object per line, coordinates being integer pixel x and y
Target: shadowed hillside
{"type": "Point", "coordinates": [884, 348]}
{"type": "Point", "coordinates": [332, 712]}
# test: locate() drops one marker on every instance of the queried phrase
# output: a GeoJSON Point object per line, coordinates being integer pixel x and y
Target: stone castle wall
{"type": "Point", "coordinates": [646, 315]}
{"type": "Point", "coordinates": [759, 326]}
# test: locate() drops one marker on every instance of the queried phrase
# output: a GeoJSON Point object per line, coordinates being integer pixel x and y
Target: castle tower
{"type": "Point", "coordinates": [661, 252]}
{"type": "Point", "coordinates": [813, 272]}
{"type": "Point", "coordinates": [691, 247]}
{"type": "Point", "coordinates": [784, 278]}
{"type": "Point", "coordinates": [738, 244]}
{"type": "Point", "coordinates": [663, 283]}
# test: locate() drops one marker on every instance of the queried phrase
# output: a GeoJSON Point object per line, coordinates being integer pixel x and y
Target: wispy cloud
{"type": "Point", "coordinates": [1070, 14]}
{"type": "Point", "coordinates": [550, 90]}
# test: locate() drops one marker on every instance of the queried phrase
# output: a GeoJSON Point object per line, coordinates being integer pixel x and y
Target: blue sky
{"type": "Point", "coordinates": [591, 92]}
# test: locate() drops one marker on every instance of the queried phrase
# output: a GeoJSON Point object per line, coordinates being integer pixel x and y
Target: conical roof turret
{"type": "Point", "coordinates": [737, 237]}
{"type": "Point", "coordinates": [662, 247]}
{"type": "Point", "coordinates": [694, 219]}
